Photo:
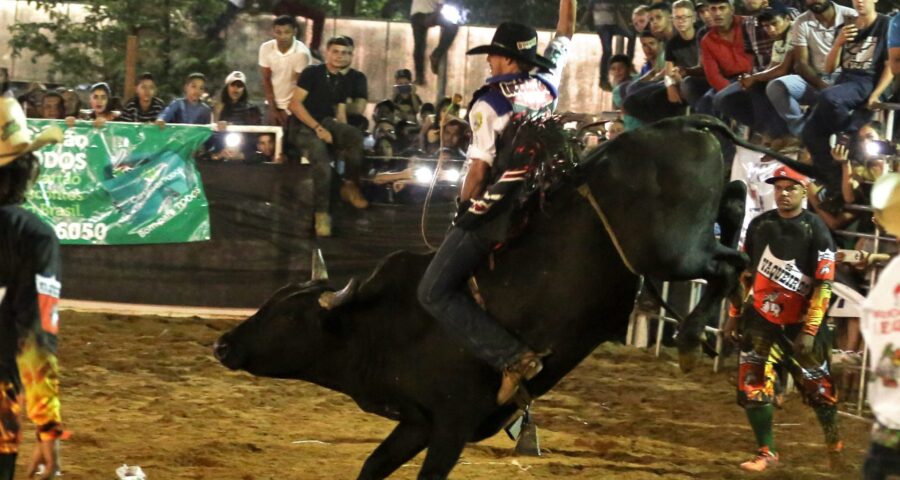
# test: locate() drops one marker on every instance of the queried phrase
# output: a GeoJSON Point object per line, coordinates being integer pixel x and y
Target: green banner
{"type": "Point", "coordinates": [122, 184]}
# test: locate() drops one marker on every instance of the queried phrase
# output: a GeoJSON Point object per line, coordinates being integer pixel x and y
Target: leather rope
{"type": "Point", "coordinates": [585, 192]}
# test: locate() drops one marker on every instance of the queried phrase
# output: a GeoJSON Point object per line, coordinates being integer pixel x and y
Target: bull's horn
{"type": "Point", "coordinates": [318, 271]}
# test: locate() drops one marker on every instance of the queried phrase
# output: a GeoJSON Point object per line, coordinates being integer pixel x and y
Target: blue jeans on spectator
{"type": "Point", "coordinates": [881, 462]}
{"type": "Point", "coordinates": [443, 293]}
{"type": "Point", "coordinates": [751, 108]}
{"type": "Point", "coordinates": [693, 92]}
{"type": "Point", "coordinates": [606, 33]}
{"type": "Point", "coordinates": [840, 107]}
{"type": "Point", "coordinates": [788, 94]}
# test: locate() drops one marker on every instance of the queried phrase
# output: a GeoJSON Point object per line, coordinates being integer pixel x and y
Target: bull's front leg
{"type": "Point", "coordinates": [404, 443]}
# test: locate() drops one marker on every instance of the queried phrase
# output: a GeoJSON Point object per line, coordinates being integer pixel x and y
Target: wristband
{"type": "Point", "coordinates": [670, 81]}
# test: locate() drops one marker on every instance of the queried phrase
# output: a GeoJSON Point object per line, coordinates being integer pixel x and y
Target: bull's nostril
{"type": "Point", "coordinates": [220, 350]}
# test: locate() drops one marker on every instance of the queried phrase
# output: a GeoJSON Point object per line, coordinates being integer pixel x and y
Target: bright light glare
{"type": "Point", "coordinates": [233, 140]}
{"type": "Point", "coordinates": [872, 148]}
{"type": "Point", "coordinates": [451, 13]}
{"type": "Point", "coordinates": [451, 174]}
{"type": "Point", "coordinates": [423, 175]}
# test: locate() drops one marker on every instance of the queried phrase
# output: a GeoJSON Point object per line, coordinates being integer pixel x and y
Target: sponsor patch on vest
{"type": "Point", "coordinates": [48, 289]}
{"type": "Point", "coordinates": [785, 273]}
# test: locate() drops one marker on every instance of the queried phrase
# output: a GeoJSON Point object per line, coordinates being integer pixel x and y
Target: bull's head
{"type": "Point", "coordinates": [283, 339]}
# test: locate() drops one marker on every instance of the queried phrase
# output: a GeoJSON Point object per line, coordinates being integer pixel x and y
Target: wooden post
{"type": "Point", "coordinates": [131, 54]}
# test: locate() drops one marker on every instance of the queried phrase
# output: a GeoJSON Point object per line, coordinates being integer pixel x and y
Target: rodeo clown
{"type": "Point", "coordinates": [791, 270]}
{"type": "Point", "coordinates": [880, 327]}
{"type": "Point", "coordinates": [29, 292]}
{"type": "Point", "coordinates": [523, 84]}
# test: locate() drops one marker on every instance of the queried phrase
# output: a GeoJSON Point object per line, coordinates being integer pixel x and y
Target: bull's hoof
{"type": "Point", "coordinates": [688, 360]}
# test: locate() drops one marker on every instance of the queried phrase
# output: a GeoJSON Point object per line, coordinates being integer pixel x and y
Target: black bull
{"type": "Point", "coordinates": [563, 287]}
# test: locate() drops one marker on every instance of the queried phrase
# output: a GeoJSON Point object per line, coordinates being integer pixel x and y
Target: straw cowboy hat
{"type": "Point", "coordinates": [886, 202]}
{"type": "Point", "coordinates": [15, 138]}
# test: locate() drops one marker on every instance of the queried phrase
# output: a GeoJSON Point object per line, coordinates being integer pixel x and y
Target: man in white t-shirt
{"type": "Point", "coordinates": [880, 327]}
{"type": "Point", "coordinates": [812, 35]}
{"type": "Point", "coordinates": [423, 15]}
{"type": "Point", "coordinates": [280, 62]}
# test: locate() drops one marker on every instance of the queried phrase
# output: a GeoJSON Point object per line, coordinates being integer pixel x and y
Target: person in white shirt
{"type": "Point", "coordinates": [880, 327]}
{"type": "Point", "coordinates": [423, 15]}
{"type": "Point", "coordinates": [280, 62]}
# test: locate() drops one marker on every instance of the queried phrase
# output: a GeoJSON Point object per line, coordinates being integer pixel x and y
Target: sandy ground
{"type": "Point", "coordinates": [147, 391]}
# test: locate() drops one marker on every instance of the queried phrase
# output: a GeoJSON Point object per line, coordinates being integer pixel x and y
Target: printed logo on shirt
{"type": "Point", "coordinates": [785, 273]}
{"type": "Point", "coordinates": [860, 55]}
{"type": "Point", "coordinates": [479, 120]}
{"type": "Point", "coordinates": [48, 289]}
{"type": "Point", "coordinates": [825, 265]}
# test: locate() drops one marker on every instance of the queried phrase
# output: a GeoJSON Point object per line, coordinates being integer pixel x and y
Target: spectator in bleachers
{"type": "Point", "coordinates": [320, 119]}
{"type": "Point", "coordinates": [723, 51]}
{"type": "Point", "coordinates": [621, 72]}
{"type": "Point", "coordinates": [31, 100]}
{"type": "Point", "coordinates": [101, 104]}
{"type": "Point", "coordinates": [188, 109]}
{"type": "Point", "coordinates": [52, 106]}
{"type": "Point", "coordinates": [660, 15]}
{"type": "Point", "coordinates": [265, 149]}
{"type": "Point", "coordinates": [234, 106]}
{"type": "Point", "coordinates": [860, 50]}
{"type": "Point", "coordinates": [645, 97]}
{"type": "Point", "coordinates": [72, 102]}
{"type": "Point", "coordinates": [759, 41]}
{"type": "Point", "coordinates": [614, 128]}
{"type": "Point", "coordinates": [812, 36]}
{"type": "Point", "coordinates": [747, 102]}
{"type": "Point", "coordinates": [145, 106]}
{"type": "Point", "coordinates": [357, 87]}
{"type": "Point", "coordinates": [424, 14]}
{"type": "Point", "coordinates": [606, 21]}
{"type": "Point", "coordinates": [705, 17]}
{"type": "Point", "coordinates": [280, 62]}
{"type": "Point", "coordinates": [405, 98]}
{"type": "Point", "coordinates": [640, 19]}
{"type": "Point", "coordinates": [685, 81]}
{"type": "Point", "coordinates": [431, 126]}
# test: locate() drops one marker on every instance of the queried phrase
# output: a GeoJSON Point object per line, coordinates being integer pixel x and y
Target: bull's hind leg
{"type": "Point", "coordinates": [404, 443]}
{"type": "Point", "coordinates": [731, 213]}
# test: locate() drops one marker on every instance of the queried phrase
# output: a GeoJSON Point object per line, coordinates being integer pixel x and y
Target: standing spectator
{"type": "Point", "coordinates": [812, 36]}
{"type": "Point", "coordinates": [355, 83]}
{"type": "Point", "coordinates": [860, 50]}
{"type": "Point", "coordinates": [30, 276]}
{"type": "Point", "coordinates": [880, 317]}
{"type": "Point", "coordinates": [723, 51]}
{"type": "Point", "coordinates": [280, 62]}
{"type": "Point", "coordinates": [101, 106]}
{"type": "Point", "coordinates": [72, 102]}
{"type": "Point", "coordinates": [188, 109]}
{"type": "Point", "coordinates": [53, 106]}
{"type": "Point", "coordinates": [320, 119]}
{"type": "Point", "coordinates": [234, 106]}
{"type": "Point", "coordinates": [303, 8]}
{"type": "Point", "coordinates": [785, 315]}
{"type": "Point", "coordinates": [423, 15]}
{"type": "Point", "coordinates": [405, 98]}
{"type": "Point", "coordinates": [144, 106]}
{"type": "Point", "coordinates": [606, 22]}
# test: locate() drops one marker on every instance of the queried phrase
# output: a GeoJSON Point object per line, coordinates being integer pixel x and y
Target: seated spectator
{"type": "Point", "coordinates": [640, 19]}
{"type": "Point", "coordinates": [101, 106]}
{"type": "Point", "coordinates": [747, 103]}
{"type": "Point", "coordinates": [188, 109]}
{"type": "Point", "coordinates": [72, 102]}
{"type": "Point", "coordinates": [660, 15]}
{"type": "Point", "coordinates": [812, 36]}
{"type": "Point", "coordinates": [319, 120]}
{"type": "Point", "coordinates": [860, 50]}
{"type": "Point", "coordinates": [405, 98]}
{"type": "Point", "coordinates": [53, 106]}
{"type": "Point", "coordinates": [265, 150]}
{"type": "Point", "coordinates": [621, 72]}
{"type": "Point", "coordinates": [233, 106]}
{"type": "Point", "coordinates": [722, 50]}
{"type": "Point", "coordinates": [431, 126]}
{"type": "Point", "coordinates": [645, 97]}
{"type": "Point", "coordinates": [614, 128]}
{"type": "Point", "coordinates": [685, 81]}
{"type": "Point", "coordinates": [145, 106]}
{"type": "Point", "coordinates": [357, 86]}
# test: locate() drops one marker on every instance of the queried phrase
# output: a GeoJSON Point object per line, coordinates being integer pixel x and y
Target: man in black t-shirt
{"type": "Point", "coordinates": [357, 86]}
{"type": "Point", "coordinates": [319, 119]}
{"type": "Point", "coordinates": [685, 81]}
{"type": "Point", "coordinates": [29, 293]}
{"type": "Point", "coordinates": [860, 51]}
{"type": "Point", "coordinates": [791, 270]}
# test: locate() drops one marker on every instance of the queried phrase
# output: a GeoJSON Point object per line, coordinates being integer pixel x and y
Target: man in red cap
{"type": "Point", "coordinates": [513, 92]}
{"type": "Point", "coordinates": [792, 267]}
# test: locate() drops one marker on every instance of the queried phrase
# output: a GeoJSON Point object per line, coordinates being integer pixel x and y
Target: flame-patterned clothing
{"type": "Point", "coordinates": [29, 323]}
{"type": "Point", "coordinates": [792, 262]}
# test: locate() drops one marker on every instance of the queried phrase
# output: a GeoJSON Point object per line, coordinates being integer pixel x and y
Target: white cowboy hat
{"type": "Point", "coordinates": [15, 137]}
{"type": "Point", "coordinates": [886, 202]}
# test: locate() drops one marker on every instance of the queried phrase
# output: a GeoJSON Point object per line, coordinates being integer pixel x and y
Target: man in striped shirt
{"type": "Point", "coordinates": [145, 106]}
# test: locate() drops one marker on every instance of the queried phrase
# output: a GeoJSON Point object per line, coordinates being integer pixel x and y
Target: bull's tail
{"type": "Point", "coordinates": [708, 122]}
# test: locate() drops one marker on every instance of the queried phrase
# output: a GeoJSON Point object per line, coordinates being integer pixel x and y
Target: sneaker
{"type": "Point", "coordinates": [764, 459]}
{"type": "Point", "coordinates": [350, 193]}
{"type": "Point", "coordinates": [525, 368]}
{"type": "Point", "coordinates": [836, 456]}
{"type": "Point", "coordinates": [323, 224]}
